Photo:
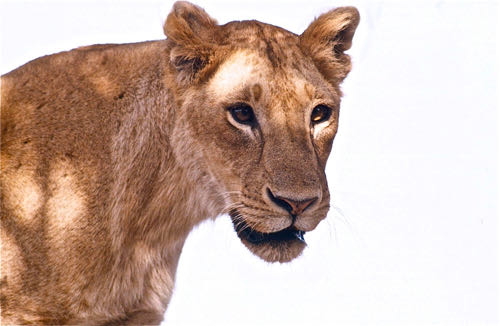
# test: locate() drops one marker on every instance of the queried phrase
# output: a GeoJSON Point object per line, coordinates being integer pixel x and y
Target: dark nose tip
{"type": "Point", "coordinates": [292, 206]}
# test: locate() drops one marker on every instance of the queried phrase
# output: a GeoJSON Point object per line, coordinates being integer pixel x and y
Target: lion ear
{"type": "Point", "coordinates": [190, 32]}
{"type": "Point", "coordinates": [326, 39]}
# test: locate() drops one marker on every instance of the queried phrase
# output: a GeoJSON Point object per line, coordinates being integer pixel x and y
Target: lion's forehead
{"type": "Point", "coordinates": [248, 72]}
{"type": "Point", "coordinates": [235, 73]}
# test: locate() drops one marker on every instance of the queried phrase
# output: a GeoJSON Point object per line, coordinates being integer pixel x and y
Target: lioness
{"type": "Point", "coordinates": [111, 154]}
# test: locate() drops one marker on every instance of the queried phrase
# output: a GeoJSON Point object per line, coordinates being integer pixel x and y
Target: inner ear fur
{"type": "Point", "coordinates": [190, 32]}
{"type": "Point", "coordinates": [326, 39]}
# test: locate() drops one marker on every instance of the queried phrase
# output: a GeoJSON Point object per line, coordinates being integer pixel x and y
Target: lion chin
{"type": "Point", "coordinates": [282, 246]}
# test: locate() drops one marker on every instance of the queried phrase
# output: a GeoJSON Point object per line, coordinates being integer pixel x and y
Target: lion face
{"type": "Point", "coordinates": [261, 112]}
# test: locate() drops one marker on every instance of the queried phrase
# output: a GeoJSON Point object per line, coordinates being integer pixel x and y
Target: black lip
{"type": "Point", "coordinates": [256, 237]}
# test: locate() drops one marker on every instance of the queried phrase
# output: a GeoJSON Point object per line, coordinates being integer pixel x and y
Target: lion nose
{"type": "Point", "coordinates": [292, 206]}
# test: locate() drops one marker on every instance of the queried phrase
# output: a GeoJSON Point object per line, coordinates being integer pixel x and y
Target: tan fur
{"type": "Point", "coordinates": [111, 154]}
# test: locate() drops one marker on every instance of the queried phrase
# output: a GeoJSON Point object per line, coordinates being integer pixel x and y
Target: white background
{"type": "Point", "coordinates": [412, 238]}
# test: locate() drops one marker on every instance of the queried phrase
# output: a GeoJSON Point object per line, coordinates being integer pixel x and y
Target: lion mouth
{"type": "Point", "coordinates": [280, 246]}
{"type": "Point", "coordinates": [255, 237]}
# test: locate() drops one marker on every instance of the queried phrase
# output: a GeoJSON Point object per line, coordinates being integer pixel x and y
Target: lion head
{"type": "Point", "coordinates": [257, 112]}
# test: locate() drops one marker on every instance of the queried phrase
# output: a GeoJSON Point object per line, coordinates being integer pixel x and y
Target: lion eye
{"type": "Point", "coordinates": [320, 113]}
{"type": "Point", "coordinates": [242, 113]}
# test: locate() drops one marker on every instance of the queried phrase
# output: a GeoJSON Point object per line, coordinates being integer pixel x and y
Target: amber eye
{"type": "Point", "coordinates": [320, 113]}
{"type": "Point", "coordinates": [242, 113]}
